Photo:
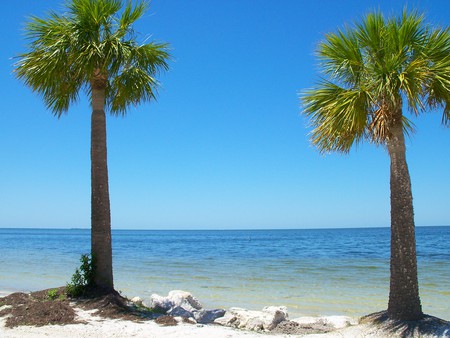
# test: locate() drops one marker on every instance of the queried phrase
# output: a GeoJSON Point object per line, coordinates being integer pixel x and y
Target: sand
{"type": "Point", "coordinates": [97, 327]}
{"type": "Point", "coordinates": [94, 326]}
{"type": "Point", "coordinates": [120, 328]}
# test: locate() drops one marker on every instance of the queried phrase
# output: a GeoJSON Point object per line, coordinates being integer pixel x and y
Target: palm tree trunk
{"type": "Point", "coordinates": [404, 301]}
{"type": "Point", "coordinates": [101, 247]}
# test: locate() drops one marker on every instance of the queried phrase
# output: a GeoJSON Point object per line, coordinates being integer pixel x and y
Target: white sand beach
{"type": "Point", "coordinates": [89, 323]}
{"type": "Point", "coordinates": [97, 327]}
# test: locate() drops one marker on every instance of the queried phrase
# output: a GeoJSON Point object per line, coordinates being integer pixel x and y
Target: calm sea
{"type": "Point", "coordinates": [312, 272]}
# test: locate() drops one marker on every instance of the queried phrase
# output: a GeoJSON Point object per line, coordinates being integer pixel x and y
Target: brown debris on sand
{"type": "Point", "coordinates": [291, 327]}
{"type": "Point", "coordinates": [52, 306]}
{"type": "Point", "coordinates": [36, 309]}
{"type": "Point", "coordinates": [166, 321]}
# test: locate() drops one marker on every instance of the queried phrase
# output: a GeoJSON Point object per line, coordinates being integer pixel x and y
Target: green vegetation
{"type": "Point", "coordinates": [92, 48]}
{"type": "Point", "coordinates": [82, 279]}
{"type": "Point", "coordinates": [52, 294]}
{"type": "Point", "coordinates": [374, 70]}
{"type": "Point", "coordinates": [56, 294]}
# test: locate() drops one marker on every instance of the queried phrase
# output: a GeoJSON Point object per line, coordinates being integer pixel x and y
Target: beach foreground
{"type": "Point", "coordinates": [35, 315]}
{"type": "Point", "coordinates": [99, 327]}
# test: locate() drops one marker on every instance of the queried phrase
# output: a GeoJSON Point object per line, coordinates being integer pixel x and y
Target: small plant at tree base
{"type": "Point", "coordinates": [52, 294]}
{"type": "Point", "coordinates": [82, 279]}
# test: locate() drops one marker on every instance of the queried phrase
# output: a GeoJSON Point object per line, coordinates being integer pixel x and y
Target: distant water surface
{"type": "Point", "coordinates": [312, 272]}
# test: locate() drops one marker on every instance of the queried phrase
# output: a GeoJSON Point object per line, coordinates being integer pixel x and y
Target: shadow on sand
{"type": "Point", "coordinates": [428, 326]}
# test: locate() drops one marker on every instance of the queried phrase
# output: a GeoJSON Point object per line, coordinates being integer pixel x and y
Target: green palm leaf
{"type": "Point", "coordinates": [372, 68]}
{"type": "Point", "coordinates": [66, 50]}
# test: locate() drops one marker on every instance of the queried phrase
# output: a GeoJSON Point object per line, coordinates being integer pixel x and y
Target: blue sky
{"type": "Point", "coordinates": [225, 145]}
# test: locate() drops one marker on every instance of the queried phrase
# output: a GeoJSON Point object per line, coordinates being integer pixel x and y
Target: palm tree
{"type": "Point", "coordinates": [92, 48]}
{"type": "Point", "coordinates": [373, 71]}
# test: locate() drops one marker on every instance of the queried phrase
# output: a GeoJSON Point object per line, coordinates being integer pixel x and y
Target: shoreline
{"type": "Point", "coordinates": [98, 317]}
{"type": "Point", "coordinates": [92, 323]}
{"type": "Point", "coordinates": [218, 302]}
{"type": "Point", "coordinates": [6, 292]}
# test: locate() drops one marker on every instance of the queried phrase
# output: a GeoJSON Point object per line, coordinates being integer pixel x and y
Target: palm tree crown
{"type": "Point", "coordinates": [91, 42]}
{"type": "Point", "coordinates": [372, 69]}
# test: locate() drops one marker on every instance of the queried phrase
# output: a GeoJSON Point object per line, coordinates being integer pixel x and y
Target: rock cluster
{"type": "Point", "coordinates": [265, 320]}
{"type": "Point", "coordinates": [184, 306]}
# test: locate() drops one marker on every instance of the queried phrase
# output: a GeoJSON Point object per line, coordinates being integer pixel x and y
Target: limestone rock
{"type": "Point", "coordinates": [137, 300]}
{"type": "Point", "coordinates": [336, 322]}
{"type": "Point", "coordinates": [228, 319]}
{"type": "Point", "coordinates": [179, 311]}
{"type": "Point", "coordinates": [183, 304]}
{"type": "Point", "coordinates": [276, 315]}
{"type": "Point", "coordinates": [264, 320]}
{"type": "Point", "coordinates": [208, 316]}
{"type": "Point", "coordinates": [182, 298]}
{"type": "Point", "coordinates": [160, 303]}
{"type": "Point", "coordinates": [176, 298]}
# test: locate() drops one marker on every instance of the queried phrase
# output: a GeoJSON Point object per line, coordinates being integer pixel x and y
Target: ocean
{"type": "Point", "coordinates": [312, 272]}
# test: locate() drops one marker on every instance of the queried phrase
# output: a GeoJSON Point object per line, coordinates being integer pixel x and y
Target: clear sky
{"type": "Point", "coordinates": [225, 145]}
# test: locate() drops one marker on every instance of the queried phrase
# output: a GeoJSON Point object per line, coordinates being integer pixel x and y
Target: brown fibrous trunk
{"type": "Point", "coordinates": [101, 246]}
{"type": "Point", "coordinates": [404, 300]}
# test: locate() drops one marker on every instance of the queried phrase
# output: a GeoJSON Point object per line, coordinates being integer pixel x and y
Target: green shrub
{"type": "Point", "coordinates": [52, 294]}
{"type": "Point", "coordinates": [82, 279]}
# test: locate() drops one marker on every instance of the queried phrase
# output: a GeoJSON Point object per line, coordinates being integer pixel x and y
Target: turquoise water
{"type": "Point", "coordinates": [312, 272]}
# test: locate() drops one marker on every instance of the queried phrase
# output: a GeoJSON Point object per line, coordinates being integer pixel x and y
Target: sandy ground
{"type": "Point", "coordinates": [94, 326]}
{"type": "Point", "coordinates": [97, 327]}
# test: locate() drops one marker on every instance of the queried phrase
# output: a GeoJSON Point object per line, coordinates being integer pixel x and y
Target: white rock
{"type": "Point", "coordinates": [176, 299]}
{"type": "Point", "coordinates": [137, 301]}
{"type": "Point", "coordinates": [264, 320]}
{"type": "Point", "coordinates": [336, 322]}
{"type": "Point", "coordinates": [181, 298]}
{"type": "Point", "coordinates": [227, 320]}
{"type": "Point", "coordinates": [179, 311]}
{"type": "Point", "coordinates": [279, 313]}
{"type": "Point", "coordinates": [161, 303]}
{"type": "Point", "coordinates": [340, 321]}
{"type": "Point", "coordinates": [180, 303]}
{"type": "Point", "coordinates": [207, 316]}
{"type": "Point", "coordinates": [306, 320]}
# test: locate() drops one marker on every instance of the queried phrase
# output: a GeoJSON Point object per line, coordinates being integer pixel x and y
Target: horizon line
{"type": "Point", "coordinates": [213, 229]}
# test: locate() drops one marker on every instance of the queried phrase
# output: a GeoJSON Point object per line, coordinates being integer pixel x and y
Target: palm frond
{"type": "Point", "coordinates": [129, 16]}
{"type": "Point", "coordinates": [132, 87]}
{"type": "Point", "coordinates": [371, 36]}
{"type": "Point", "coordinates": [411, 80]}
{"type": "Point", "coordinates": [134, 75]}
{"type": "Point", "coordinates": [437, 84]}
{"type": "Point", "coordinates": [341, 57]}
{"type": "Point", "coordinates": [337, 115]}
{"type": "Point", "coordinates": [48, 68]}
{"type": "Point", "coordinates": [446, 116]}
{"type": "Point", "coordinates": [377, 65]}
{"type": "Point", "coordinates": [152, 57]}
{"type": "Point", "coordinates": [91, 41]}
